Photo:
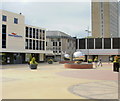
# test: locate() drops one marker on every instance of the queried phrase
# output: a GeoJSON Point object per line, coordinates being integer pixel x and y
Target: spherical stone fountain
{"type": "Point", "coordinates": [78, 63]}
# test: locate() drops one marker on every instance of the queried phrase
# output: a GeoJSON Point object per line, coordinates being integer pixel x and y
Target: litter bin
{"type": "Point", "coordinates": [116, 66]}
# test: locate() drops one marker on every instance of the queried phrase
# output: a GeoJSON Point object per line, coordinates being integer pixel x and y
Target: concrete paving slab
{"type": "Point", "coordinates": [52, 82]}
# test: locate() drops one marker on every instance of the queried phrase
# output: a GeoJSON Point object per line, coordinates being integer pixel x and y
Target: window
{"type": "Point", "coordinates": [30, 44]}
{"type": "Point", "coordinates": [98, 43]}
{"type": "Point", "coordinates": [90, 43]}
{"type": "Point", "coordinates": [43, 31]}
{"type": "Point", "coordinates": [26, 45]}
{"type": "Point", "coordinates": [37, 33]}
{"type": "Point", "coordinates": [33, 44]}
{"type": "Point", "coordinates": [40, 45]}
{"type": "Point", "coordinates": [43, 45]}
{"type": "Point", "coordinates": [4, 18]}
{"type": "Point", "coordinates": [30, 32]}
{"type": "Point", "coordinates": [26, 31]}
{"type": "Point", "coordinates": [53, 43]}
{"type": "Point", "coordinates": [82, 44]}
{"type": "Point", "coordinates": [59, 43]}
{"type": "Point", "coordinates": [33, 32]}
{"type": "Point", "coordinates": [15, 20]}
{"type": "Point", "coordinates": [36, 44]}
{"type": "Point", "coordinates": [116, 43]}
{"type": "Point", "coordinates": [107, 43]}
{"type": "Point", "coordinates": [3, 36]}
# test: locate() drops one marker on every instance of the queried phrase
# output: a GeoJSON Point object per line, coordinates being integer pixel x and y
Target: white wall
{"type": "Point", "coordinates": [16, 43]}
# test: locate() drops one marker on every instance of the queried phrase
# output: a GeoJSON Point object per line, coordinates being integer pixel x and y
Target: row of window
{"type": "Point", "coordinates": [56, 51]}
{"type": "Point", "coordinates": [4, 18]}
{"type": "Point", "coordinates": [56, 43]}
{"type": "Point", "coordinates": [34, 44]}
{"type": "Point", "coordinates": [35, 33]}
{"type": "Point", "coordinates": [98, 44]}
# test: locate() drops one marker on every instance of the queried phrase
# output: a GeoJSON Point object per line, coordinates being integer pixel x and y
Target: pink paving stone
{"type": "Point", "coordinates": [91, 74]}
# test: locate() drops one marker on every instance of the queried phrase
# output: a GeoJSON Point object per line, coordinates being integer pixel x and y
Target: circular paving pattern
{"type": "Point", "coordinates": [96, 90]}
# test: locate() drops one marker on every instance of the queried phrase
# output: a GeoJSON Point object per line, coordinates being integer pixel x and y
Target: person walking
{"type": "Point", "coordinates": [96, 61]}
{"type": "Point", "coordinates": [100, 62]}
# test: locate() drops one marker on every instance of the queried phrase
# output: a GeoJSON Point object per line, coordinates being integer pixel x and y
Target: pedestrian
{"type": "Point", "coordinates": [100, 62]}
{"type": "Point", "coordinates": [96, 61]}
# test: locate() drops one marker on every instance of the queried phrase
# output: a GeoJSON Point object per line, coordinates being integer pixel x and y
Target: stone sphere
{"type": "Point", "coordinates": [78, 54]}
{"type": "Point", "coordinates": [67, 56]}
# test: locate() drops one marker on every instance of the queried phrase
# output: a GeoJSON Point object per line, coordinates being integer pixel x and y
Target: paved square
{"type": "Point", "coordinates": [56, 82]}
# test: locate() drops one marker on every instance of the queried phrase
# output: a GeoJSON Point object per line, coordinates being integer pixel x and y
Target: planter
{"type": "Point", "coordinates": [50, 62]}
{"type": "Point", "coordinates": [79, 66]}
{"type": "Point", "coordinates": [33, 66]}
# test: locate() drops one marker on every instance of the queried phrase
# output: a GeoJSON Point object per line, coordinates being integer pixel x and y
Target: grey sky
{"type": "Point", "coordinates": [69, 17]}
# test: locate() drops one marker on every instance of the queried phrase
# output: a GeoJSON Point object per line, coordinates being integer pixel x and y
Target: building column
{"type": "Point", "coordinates": [102, 43]}
{"type": "Point", "coordinates": [86, 43]}
{"type": "Point", "coordinates": [78, 44]}
{"type": "Point", "coordinates": [94, 43]}
{"type": "Point", "coordinates": [111, 43]}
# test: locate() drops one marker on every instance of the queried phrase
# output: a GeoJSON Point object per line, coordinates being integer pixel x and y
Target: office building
{"type": "Point", "coordinates": [119, 17]}
{"type": "Point", "coordinates": [103, 48]}
{"type": "Point", "coordinates": [19, 41]}
{"type": "Point", "coordinates": [60, 43]}
{"type": "Point", "coordinates": [105, 17]}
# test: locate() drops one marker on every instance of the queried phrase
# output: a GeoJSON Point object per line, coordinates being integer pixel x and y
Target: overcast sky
{"type": "Point", "coordinates": [69, 17]}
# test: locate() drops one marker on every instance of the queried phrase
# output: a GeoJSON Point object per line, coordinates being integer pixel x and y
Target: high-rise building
{"type": "Point", "coordinates": [119, 17]}
{"type": "Point", "coordinates": [105, 19]}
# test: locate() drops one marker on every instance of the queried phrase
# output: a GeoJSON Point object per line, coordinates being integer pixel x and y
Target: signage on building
{"type": "Point", "coordinates": [14, 35]}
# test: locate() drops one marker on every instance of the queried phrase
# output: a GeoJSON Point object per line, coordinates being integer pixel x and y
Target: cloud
{"type": "Point", "coordinates": [72, 18]}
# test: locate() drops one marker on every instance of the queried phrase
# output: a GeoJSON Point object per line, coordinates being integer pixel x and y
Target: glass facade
{"type": "Point", "coordinates": [35, 38]}
{"type": "Point", "coordinates": [98, 43]}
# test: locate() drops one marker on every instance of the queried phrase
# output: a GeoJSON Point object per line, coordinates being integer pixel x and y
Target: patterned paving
{"type": "Point", "coordinates": [96, 90]}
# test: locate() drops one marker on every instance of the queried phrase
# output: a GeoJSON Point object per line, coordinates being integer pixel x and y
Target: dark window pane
{"type": "Point", "coordinates": [16, 20]}
{"type": "Point", "coordinates": [116, 43]}
{"type": "Point", "coordinates": [33, 32]}
{"type": "Point", "coordinates": [33, 44]}
{"type": "Point", "coordinates": [107, 43]}
{"type": "Point", "coordinates": [36, 44]}
{"type": "Point", "coordinates": [82, 43]}
{"type": "Point", "coordinates": [30, 44]}
{"type": "Point", "coordinates": [4, 18]}
{"type": "Point", "coordinates": [37, 33]}
{"type": "Point", "coordinates": [43, 45]}
{"type": "Point", "coordinates": [30, 32]}
{"type": "Point", "coordinates": [59, 43]}
{"type": "Point", "coordinates": [77, 43]}
{"type": "Point", "coordinates": [90, 43]}
{"type": "Point", "coordinates": [26, 31]}
{"type": "Point", "coordinates": [3, 36]}
{"type": "Point", "coordinates": [40, 45]}
{"type": "Point", "coordinates": [98, 43]}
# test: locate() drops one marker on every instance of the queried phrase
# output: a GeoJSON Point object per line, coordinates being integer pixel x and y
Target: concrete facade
{"type": "Point", "coordinates": [17, 42]}
{"type": "Point", "coordinates": [92, 48]}
{"type": "Point", "coordinates": [14, 43]}
{"type": "Point", "coordinates": [119, 17]}
{"type": "Point", "coordinates": [105, 19]}
{"type": "Point", "coordinates": [60, 43]}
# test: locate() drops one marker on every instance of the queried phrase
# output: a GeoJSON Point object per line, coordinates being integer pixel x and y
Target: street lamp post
{"type": "Point", "coordinates": [88, 31]}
